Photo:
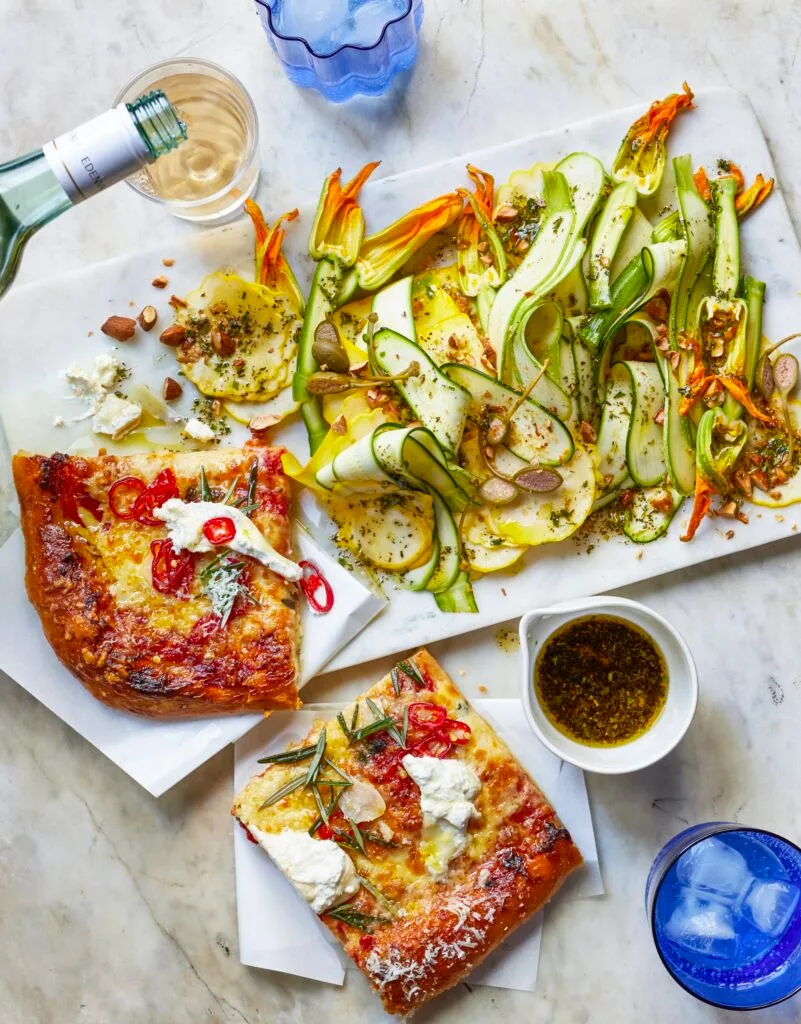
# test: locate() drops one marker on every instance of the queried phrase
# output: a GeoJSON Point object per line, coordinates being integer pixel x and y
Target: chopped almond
{"type": "Point", "coordinates": [728, 509]}
{"type": "Point", "coordinates": [505, 214]}
{"type": "Point", "coordinates": [148, 317]}
{"type": "Point", "coordinates": [222, 343]}
{"type": "Point", "coordinates": [587, 433]}
{"type": "Point", "coordinates": [171, 389]}
{"type": "Point", "coordinates": [340, 425]}
{"type": "Point", "coordinates": [160, 282]}
{"type": "Point", "coordinates": [659, 417]}
{"type": "Point", "coordinates": [729, 535]}
{"type": "Point", "coordinates": [662, 502]}
{"type": "Point", "coordinates": [167, 261]}
{"type": "Point", "coordinates": [674, 359]}
{"type": "Point", "coordinates": [177, 302]}
{"type": "Point", "coordinates": [259, 424]}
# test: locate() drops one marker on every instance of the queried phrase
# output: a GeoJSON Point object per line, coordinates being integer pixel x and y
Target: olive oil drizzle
{"type": "Point", "coordinates": [601, 680]}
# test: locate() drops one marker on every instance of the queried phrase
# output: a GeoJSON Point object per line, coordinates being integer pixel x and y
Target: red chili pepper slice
{"type": "Point", "coordinates": [435, 745]}
{"type": "Point", "coordinates": [171, 572]}
{"type": "Point", "coordinates": [311, 582]}
{"type": "Point", "coordinates": [426, 714]}
{"type": "Point", "coordinates": [123, 494]}
{"type": "Point", "coordinates": [324, 832]}
{"type": "Point", "coordinates": [219, 530]}
{"type": "Point", "coordinates": [154, 495]}
{"type": "Point", "coordinates": [456, 732]}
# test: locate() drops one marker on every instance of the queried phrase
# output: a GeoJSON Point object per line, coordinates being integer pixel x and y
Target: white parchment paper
{"type": "Point", "coordinates": [157, 754]}
{"type": "Point", "coordinates": [304, 947]}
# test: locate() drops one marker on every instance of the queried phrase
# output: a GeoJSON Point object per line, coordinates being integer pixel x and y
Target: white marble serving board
{"type": "Point", "coordinates": [48, 325]}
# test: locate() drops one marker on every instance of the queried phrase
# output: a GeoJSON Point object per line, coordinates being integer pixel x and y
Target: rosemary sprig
{"type": "Point", "coordinates": [317, 760]}
{"type": "Point", "coordinates": [376, 892]}
{"type": "Point", "coordinates": [205, 490]}
{"type": "Point", "coordinates": [411, 671]}
{"type": "Point", "coordinates": [357, 835]}
{"type": "Point", "coordinates": [378, 839]}
{"type": "Point", "coordinates": [279, 794]}
{"type": "Point", "coordinates": [289, 756]}
{"type": "Point", "coordinates": [230, 492]}
{"type": "Point", "coordinates": [343, 726]}
{"type": "Point", "coordinates": [392, 729]}
{"type": "Point", "coordinates": [405, 726]}
{"type": "Point", "coordinates": [221, 581]}
{"type": "Point", "coordinates": [252, 479]}
{"type": "Point", "coordinates": [340, 773]}
{"type": "Point", "coordinates": [396, 686]}
{"type": "Point", "coordinates": [321, 808]}
{"type": "Point", "coordinates": [380, 725]}
{"type": "Point", "coordinates": [355, 717]}
{"type": "Point", "coordinates": [355, 918]}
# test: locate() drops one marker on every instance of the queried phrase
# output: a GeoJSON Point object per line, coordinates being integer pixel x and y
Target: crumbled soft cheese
{"type": "Point", "coordinates": [198, 430]}
{"type": "Point", "coordinates": [58, 421]}
{"type": "Point", "coordinates": [116, 417]}
{"type": "Point", "coordinates": [320, 870]}
{"type": "Point", "coordinates": [447, 788]}
{"type": "Point", "coordinates": [185, 521]}
{"type": "Point", "coordinates": [92, 384]}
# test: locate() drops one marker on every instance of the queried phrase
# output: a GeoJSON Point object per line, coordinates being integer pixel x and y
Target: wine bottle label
{"type": "Point", "coordinates": [97, 154]}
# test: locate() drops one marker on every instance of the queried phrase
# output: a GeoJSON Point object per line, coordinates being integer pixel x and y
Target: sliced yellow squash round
{"type": "Point", "coordinates": [241, 338]}
{"type": "Point", "coordinates": [545, 518]}
{"type": "Point", "coordinates": [394, 532]}
{"type": "Point", "coordinates": [484, 550]}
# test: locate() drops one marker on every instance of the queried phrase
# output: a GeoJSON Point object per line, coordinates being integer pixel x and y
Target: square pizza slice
{"type": "Point", "coordinates": [163, 581]}
{"type": "Point", "coordinates": [412, 831]}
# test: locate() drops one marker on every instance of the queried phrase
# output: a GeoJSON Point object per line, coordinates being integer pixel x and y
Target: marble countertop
{"type": "Point", "coordinates": [118, 907]}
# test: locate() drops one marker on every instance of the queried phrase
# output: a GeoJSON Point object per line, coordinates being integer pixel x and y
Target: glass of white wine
{"type": "Point", "coordinates": [217, 168]}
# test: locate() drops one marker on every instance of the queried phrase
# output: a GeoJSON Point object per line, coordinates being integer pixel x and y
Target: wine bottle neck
{"type": "Point", "coordinates": [112, 146]}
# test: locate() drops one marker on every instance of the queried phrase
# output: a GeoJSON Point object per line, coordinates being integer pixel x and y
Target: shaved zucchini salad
{"type": "Point", "coordinates": [502, 363]}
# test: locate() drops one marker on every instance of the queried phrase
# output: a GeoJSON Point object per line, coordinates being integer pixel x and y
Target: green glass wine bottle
{"type": "Point", "coordinates": [38, 187]}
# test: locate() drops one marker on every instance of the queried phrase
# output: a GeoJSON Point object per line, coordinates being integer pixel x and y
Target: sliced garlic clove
{"type": "Point", "coordinates": [362, 802]}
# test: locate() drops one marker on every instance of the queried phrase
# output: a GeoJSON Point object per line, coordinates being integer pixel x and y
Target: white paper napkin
{"type": "Point", "coordinates": [278, 932]}
{"type": "Point", "coordinates": [157, 754]}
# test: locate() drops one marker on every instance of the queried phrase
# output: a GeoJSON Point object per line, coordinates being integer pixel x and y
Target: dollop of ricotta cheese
{"type": "Point", "coordinates": [320, 870]}
{"type": "Point", "coordinates": [185, 521]}
{"type": "Point", "coordinates": [94, 387]}
{"type": "Point", "coordinates": [447, 789]}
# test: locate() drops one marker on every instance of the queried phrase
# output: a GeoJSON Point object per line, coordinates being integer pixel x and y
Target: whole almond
{"type": "Point", "coordinates": [120, 328]}
{"type": "Point", "coordinates": [222, 343]}
{"type": "Point", "coordinates": [167, 261]}
{"type": "Point", "coordinates": [174, 335]}
{"type": "Point", "coordinates": [148, 317]}
{"type": "Point", "coordinates": [177, 302]}
{"type": "Point", "coordinates": [171, 389]}
{"type": "Point", "coordinates": [160, 282]}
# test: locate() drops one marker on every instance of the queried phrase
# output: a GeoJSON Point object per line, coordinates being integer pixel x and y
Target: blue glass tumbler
{"type": "Point", "coordinates": [724, 904]}
{"type": "Point", "coordinates": [350, 69]}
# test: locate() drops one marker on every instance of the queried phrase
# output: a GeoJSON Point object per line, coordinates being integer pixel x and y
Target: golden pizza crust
{"type": "Point", "coordinates": [517, 856]}
{"type": "Point", "coordinates": [134, 648]}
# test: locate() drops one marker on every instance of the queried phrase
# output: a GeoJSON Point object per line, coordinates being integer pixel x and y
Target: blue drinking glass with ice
{"type": "Point", "coordinates": [724, 904]}
{"type": "Point", "coordinates": [343, 48]}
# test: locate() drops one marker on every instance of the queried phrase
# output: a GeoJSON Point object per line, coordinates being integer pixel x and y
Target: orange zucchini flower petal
{"type": "Point", "coordinates": [272, 268]}
{"type": "Point", "coordinates": [753, 196]}
{"type": "Point", "coordinates": [654, 124]}
{"type": "Point", "coordinates": [701, 182]}
{"type": "Point", "coordinates": [479, 265]}
{"type": "Point", "coordinates": [701, 505]}
{"type": "Point", "coordinates": [338, 227]}
{"type": "Point", "coordinates": [384, 253]}
{"type": "Point", "coordinates": [740, 392]}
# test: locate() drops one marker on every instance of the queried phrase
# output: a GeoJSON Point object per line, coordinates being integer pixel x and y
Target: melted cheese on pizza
{"type": "Point", "coordinates": [456, 846]}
